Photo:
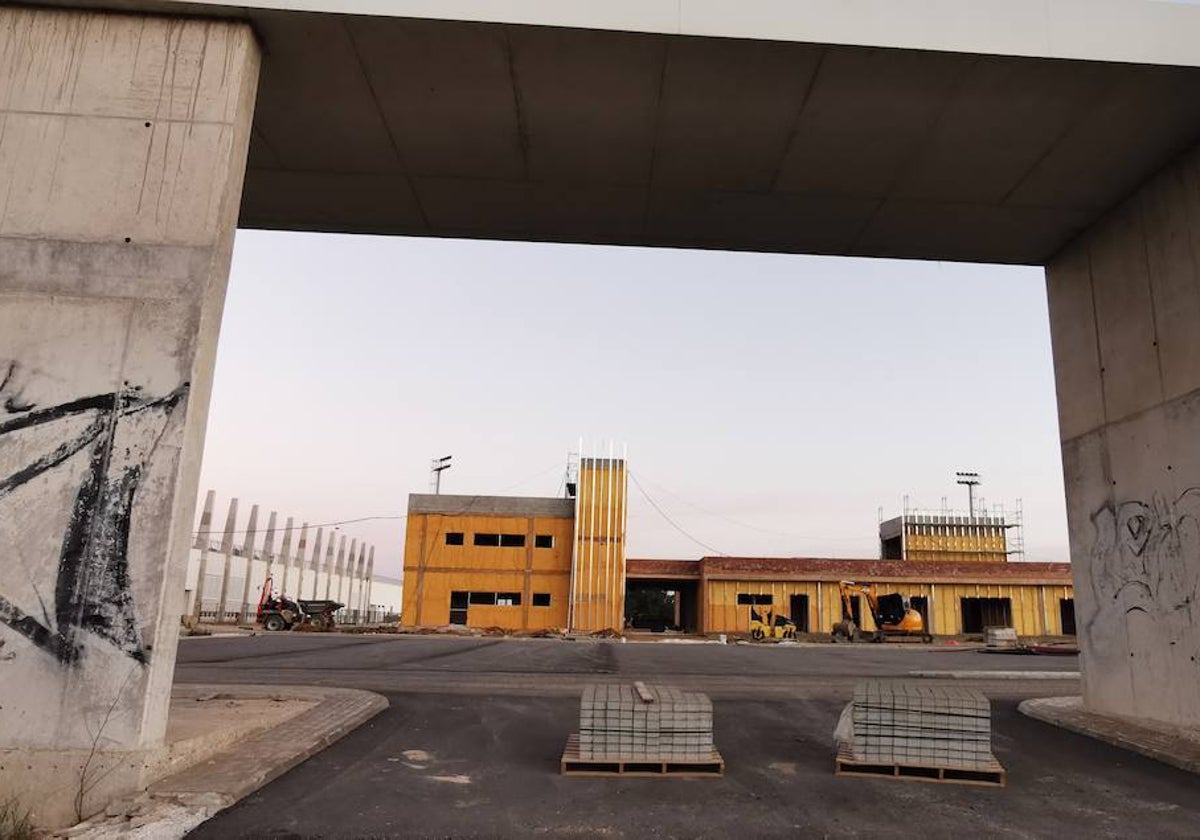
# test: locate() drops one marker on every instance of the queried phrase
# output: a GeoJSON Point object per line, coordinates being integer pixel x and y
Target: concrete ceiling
{"type": "Point", "coordinates": [485, 130]}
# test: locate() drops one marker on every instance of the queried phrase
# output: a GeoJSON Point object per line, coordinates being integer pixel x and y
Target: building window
{"type": "Point", "coordinates": [512, 540]}
{"type": "Point", "coordinates": [508, 599]}
{"type": "Point", "coordinates": [744, 599]}
{"type": "Point", "coordinates": [487, 539]}
{"type": "Point", "coordinates": [980, 613]}
{"type": "Point", "coordinates": [1066, 614]}
{"type": "Point", "coordinates": [541, 599]}
{"type": "Point", "coordinates": [485, 598]}
{"type": "Point", "coordinates": [543, 541]}
{"type": "Point", "coordinates": [454, 538]}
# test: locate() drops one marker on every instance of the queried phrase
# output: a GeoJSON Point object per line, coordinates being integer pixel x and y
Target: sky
{"type": "Point", "coordinates": [770, 405]}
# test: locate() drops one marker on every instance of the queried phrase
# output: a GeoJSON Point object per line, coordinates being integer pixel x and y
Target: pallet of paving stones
{"type": "Point", "coordinates": [920, 731]}
{"type": "Point", "coordinates": [680, 766]}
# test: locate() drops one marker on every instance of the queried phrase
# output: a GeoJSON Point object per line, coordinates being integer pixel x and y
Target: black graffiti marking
{"type": "Point", "coordinates": [93, 589]}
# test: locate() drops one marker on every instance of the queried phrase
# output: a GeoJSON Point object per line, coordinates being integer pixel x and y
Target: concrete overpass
{"type": "Point", "coordinates": [1053, 132]}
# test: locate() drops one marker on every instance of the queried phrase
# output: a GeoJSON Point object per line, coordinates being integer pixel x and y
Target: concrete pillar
{"type": "Point", "coordinates": [316, 558]}
{"type": "Point", "coordinates": [370, 579]}
{"type": "Point", "coordinates": [203, 542]}
{"type": "Point", "coordinates": [340, 569]}
{"type": "Point", "coordinates": [248, 554]}
{"type": "Point", "coordinates": [227, 550]}
{"type": "Point", "coordinates": [350, 576]}
{"type": "Point", "coordinates": [301, 552]}
{"type": "Point", "coordinates": [123, 143]}
{"type": "Point", "coordinates": [1125, 320]}
{"type": "Point", "coordinates": [329, 565]}
{"type": "Point", "coordinates": [360, 571]}
{"type": "Point", "coordinates": [269, 547]}
{"type": "Point", "coordinates": [285, 554]}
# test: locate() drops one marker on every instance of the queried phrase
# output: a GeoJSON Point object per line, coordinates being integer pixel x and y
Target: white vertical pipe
{"type": "Point", "coordinates": [624, 521]}
{"type": "Point", "coordinates": [574, 595]}
{"type": "Point", "coordinates": [609, 580]}
{"type": "Point", "coordinates": [591, 600]}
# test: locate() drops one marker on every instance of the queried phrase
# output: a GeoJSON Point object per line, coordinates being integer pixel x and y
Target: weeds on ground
{"type": "Point", "coordinates": [14, 821]}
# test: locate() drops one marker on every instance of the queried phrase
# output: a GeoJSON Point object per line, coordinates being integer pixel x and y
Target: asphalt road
{"type": "Point", "coordinates": [470, 747]}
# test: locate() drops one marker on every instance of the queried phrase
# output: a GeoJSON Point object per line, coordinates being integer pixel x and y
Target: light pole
{"type": "Point", "coordinates": [437, 467]}
{"type": "Point", "coordinates": [971, 480]}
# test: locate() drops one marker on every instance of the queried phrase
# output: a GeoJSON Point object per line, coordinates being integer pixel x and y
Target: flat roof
{"type": "Point", "coordinates": [926, 571]}
{"type": "Point", "coordinates": [449, 505]}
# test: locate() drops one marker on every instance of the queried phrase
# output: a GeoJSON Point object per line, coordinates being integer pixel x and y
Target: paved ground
{"type": "Point", "coordinates": [470, 747]}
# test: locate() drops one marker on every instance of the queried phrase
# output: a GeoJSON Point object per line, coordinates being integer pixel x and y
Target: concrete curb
{"type": "Point", "coordinates": [1170, 745]}
{"type": "Point", "coordinates": [235, 773]}
{"type": "Point", "coordinates": [178, 803]}
{"type": "Point", "coordinates": [996, 675]}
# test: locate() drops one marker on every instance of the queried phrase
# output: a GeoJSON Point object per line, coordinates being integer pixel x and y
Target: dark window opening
{"type": "Point", "coordinates": [454, 538]}
{"type": "Point", "coordinates": [508, 599]}
{"type": "Point", "coordinates": [487, 598]}
{"type": "Point", "coordinates": [800, 612]}
{"type": "Point", "coordinates": [541, 599]}
{"type": "Point", "coordinates": [750, 600]}
{"type": "Point", "coordinates": [921, 604]}
{"type": "Point", "coordinates": [487, 539]}
{"type": "Point", "coordinates": [458, 607]}
{"type": "Point", "coordinates": [893, 549]}
{"type": "Point", "coordinates": [1066, 612]}
{"type": "Point", "coordinates": [978, 613]}
{"type": "Point", "coordinates": [855, 610]}
{"type": "Point", "coordinates": [543, 541]}
{"type": "Point", "coordinates": [512, 540]}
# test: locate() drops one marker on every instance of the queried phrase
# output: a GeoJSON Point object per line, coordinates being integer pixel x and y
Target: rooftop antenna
{"type": "Point", "coordinates": [971, 480]}
{"type": "Point", "coordinates": [437, 467]}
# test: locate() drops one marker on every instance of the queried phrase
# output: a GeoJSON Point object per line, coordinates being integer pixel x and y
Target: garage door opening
{"type": "Point", "coordinates": [979, 613]}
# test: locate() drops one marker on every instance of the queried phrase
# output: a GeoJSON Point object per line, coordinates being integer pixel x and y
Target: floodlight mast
{"type": "Point", "coordinates": [971, 480]}
{"type": "Point", "coordinates": [437, 466]}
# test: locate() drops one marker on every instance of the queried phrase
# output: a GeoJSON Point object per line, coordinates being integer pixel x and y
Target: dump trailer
{"type": "Point", "coordinates": [279, 612]}
{"type": "Point", "coordinates": [893, 615]}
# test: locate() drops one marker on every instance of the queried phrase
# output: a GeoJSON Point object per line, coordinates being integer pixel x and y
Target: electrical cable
{"type": "Point", "coordinates": [670, 521]}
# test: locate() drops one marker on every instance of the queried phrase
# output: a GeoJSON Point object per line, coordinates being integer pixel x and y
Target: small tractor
{"type": "Point", "coordinates": [765, 624]}
{"type": "Point", "coordinates": [893, 615]}
{"type": "Point", "coordinates": [279, 612]}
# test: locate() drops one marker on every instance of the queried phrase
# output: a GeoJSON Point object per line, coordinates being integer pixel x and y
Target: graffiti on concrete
{"type": "Point", "coordinates": [113, 437]}
{"type": "Point", "coordinates": [1146, 557]}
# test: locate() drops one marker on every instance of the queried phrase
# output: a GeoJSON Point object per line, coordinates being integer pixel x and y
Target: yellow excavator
{"type": "Point", "coordinates": [765, 624]}
{"type": "Point", "coordinates": [893, 615]}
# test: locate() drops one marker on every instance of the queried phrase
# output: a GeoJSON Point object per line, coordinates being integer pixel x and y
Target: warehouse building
{"type": "Point", "coordinates": [526, 564]}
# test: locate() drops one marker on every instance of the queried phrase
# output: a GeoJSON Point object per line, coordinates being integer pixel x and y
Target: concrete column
{"type": "Point", "coordinates": [227, 550]}
{"type": "Point", "coordinates": [329, 565]}
{"type": "Point", "coordinates": [340, 569]}
{"type": "Point", "coordinates": [360, 571]}
{"type": "Point", "coordinates": [203, 541]}
{"type": "Point", "coordinates": [349, 601]}
{"type": "Point", "coordinates": [370, 579]}
{"type": "Point", "coordinates": [248, 554]}
{"type": "Point", "coordinates": [316, 558]}
{"type": "Point", "coordinates": [123, 143]}
{"type": "Point", "coordinates": [1125, 320]}
{"type": "Point", "coordinates": [285, 554]}
{"type": "Point", "coordinates": [301, 551]}
{"type": "Point", "coordinates": [269, 546]}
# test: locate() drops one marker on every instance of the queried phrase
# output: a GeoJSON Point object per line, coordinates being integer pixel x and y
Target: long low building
{"type": "Point", "coordinates": [717, 594]}
{"type": "Point", "coordinates": [528, 564]}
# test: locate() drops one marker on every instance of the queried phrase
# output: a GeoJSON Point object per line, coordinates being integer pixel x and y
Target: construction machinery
{"type": "Point", "coordinates": [765, 625]}
{"type": "Point", "coordinates": [893, 615]}
{"type": "Point", "coordinates": [279, 612]}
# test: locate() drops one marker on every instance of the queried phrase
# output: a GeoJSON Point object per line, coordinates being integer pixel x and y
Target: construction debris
{"type": "Point", "coordinates": [912, 730]}
{"type": "Point", "coordinates": [644, 730]}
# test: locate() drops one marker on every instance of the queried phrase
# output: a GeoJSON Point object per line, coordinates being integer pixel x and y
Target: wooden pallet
{"type": "Point", "coordinates": [990, 776]}
{"type": "Point", "coordinates": [573, 765]}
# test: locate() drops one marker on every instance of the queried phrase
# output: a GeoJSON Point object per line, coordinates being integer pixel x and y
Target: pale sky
{"type": "Point", "coordinates": [771, 404]}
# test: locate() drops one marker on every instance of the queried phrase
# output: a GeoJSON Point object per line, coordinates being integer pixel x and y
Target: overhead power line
{"type": "Point", "coordinates": [671, 521]}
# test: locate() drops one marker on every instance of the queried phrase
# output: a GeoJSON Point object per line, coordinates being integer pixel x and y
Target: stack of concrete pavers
{"type": "Point", "coordinates": [636, 722]}
{"type": "Point", "coordinates": [917, 723]}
